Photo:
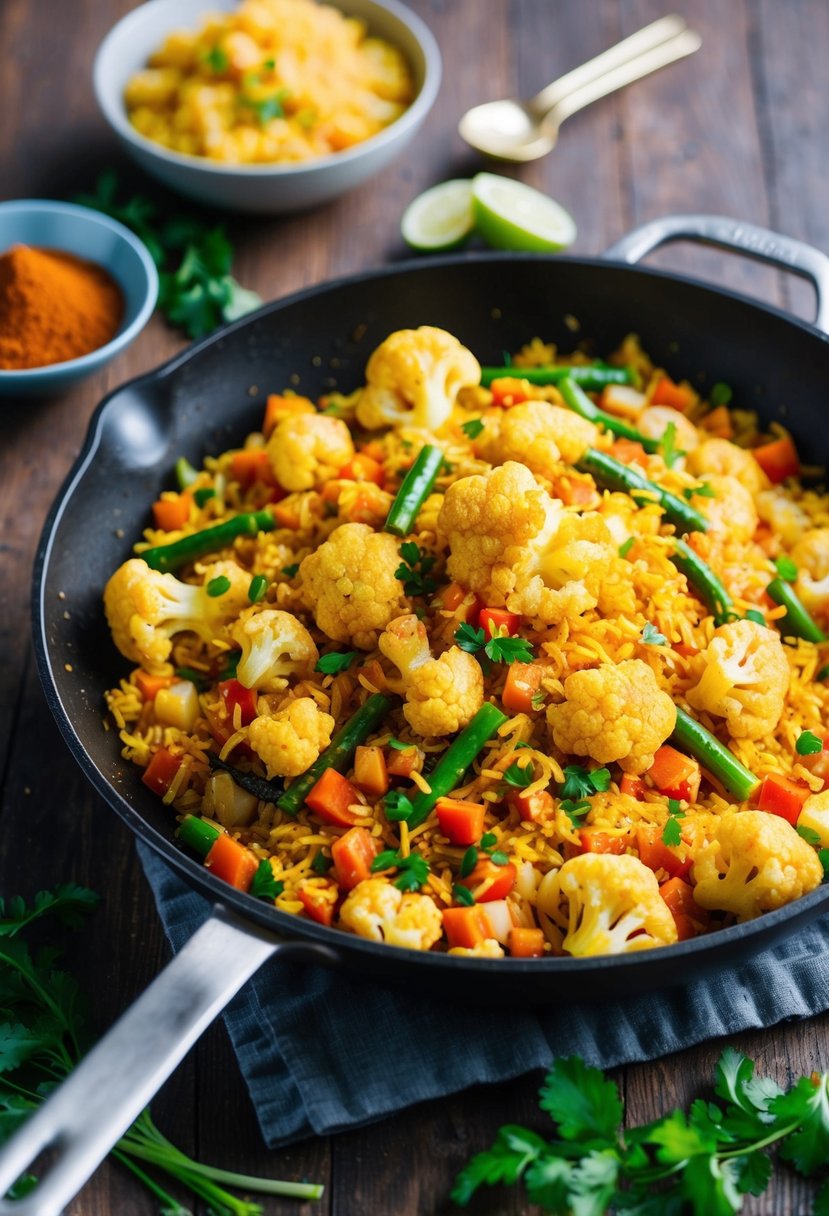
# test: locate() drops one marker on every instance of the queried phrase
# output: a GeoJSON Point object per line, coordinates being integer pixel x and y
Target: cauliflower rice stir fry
{"type": "Point", "coordinates": [523, 660]}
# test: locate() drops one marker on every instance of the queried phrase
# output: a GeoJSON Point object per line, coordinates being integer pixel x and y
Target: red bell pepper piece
{"type": "Point", "coordinates": [782, 796]}
{"type": "Point", "coordinates": [233, 693]}
{"type": "Point", "coordinates": [488, 881]}
{"type": "Point", "coordinates": [494, 621]}
{"type": "Point", "coordinates": [159, 773]}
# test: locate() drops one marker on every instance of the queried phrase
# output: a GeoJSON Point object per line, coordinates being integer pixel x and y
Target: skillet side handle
{"type": "Point", "coordinates": [739, 237]}
{"type": "Point", "coordinates": [102, 1097]}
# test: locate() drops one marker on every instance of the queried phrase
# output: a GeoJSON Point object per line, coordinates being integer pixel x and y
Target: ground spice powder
{"type": "Point", "coordinates": [54, 307]}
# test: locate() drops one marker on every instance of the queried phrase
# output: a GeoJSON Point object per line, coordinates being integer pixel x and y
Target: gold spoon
{"type": "Point", "coordinates": [516, 130]}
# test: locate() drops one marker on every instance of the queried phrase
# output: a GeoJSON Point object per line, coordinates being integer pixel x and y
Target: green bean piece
{"type": "Point", "coordinates": [797, 622]}
{"type": "Point", "coordinates": [449, 770]}
{"type": "Point", "coordinates": [700, 575]}
{"type": "Point", "coordinates": [416, 486]}
{"type": "Point", "coordinates": [260, 787]}
{"type": "Point", "coordinates": [714, 756]}
{"type": "Point", "coordinates": [617, 476]}
{"type": "Point", "coordinates": [185, 473]}
{"type": "Point", "coordinates": [579, 402]}
{"type": "Point", "coordinates": [589, 375]}
{"type": "Point", "coordinates": [167, 558]}
{"type": "Point", "coordinates": [197, 834]}
{"type": "Point", "coordinates": [339, 752]}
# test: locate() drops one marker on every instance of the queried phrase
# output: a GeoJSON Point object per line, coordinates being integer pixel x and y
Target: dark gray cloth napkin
{"type": "Point", "coordinates": [321, 1053]}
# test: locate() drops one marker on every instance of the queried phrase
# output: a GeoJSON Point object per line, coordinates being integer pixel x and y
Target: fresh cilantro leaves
{"type": "Point", "coordinates": [397, 806]}
{"type": "Point", "coordinates": [575, 810]}
{"type": "Point", "coordinates": [667, 446]}
{"type": "Point", "coordinates": [703, 490]}
{"type": "Point", "coordinates": [473, 428]}
{"type": "Point", "coordinates": [704, 1160]}
{"type": "Point", "coordinates": [519, 775]}
{"type": "Point", "coordinates": [808, 743]}
{"type": "Point", "coordinates": [415, 569]}
{"type": "Point", "coordinates": [331, 664]}
{"type": "Point", "coordinates": [412, 870]}
{"type": "Point", "coordinates": [652, 637]}
{"type": "Point", "coordinates": [720, 394]}
{"type": "Point", "coordinates": [501, 647]}
{"type": "Point", "coordinates": [265, 108]}
{"type": "Point", "coordinates": [291, 571]}
{"type": "Point", "coordinates": [672, 831]}
{"type": "Point", "coordinates": [264, 885]}
{"type": "Point", "coordinates": [582, 783]}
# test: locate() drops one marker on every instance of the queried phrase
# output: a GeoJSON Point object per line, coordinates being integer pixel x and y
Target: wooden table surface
{"type": "Point", "coordinates": [739, 130]}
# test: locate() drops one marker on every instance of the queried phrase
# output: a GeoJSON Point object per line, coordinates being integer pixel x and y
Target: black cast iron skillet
{"type": "Point", "coordinates": [206, 400]}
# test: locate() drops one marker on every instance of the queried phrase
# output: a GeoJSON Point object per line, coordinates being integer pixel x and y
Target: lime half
{"type": "Point", "coordinates": [512, 215]}
{"type": "Point", "coordinates": [440, 218]}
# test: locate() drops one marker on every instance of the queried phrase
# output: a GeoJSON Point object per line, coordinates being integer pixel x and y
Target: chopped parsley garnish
{"type": "Point", "coordinates": [397, 806]}
{"type": "Point", "coordinates": [468, 861]}
{"type": "Point", "coordinates": [258, 588]}
{"type": "Point", "coordinates": [218, 586]}
{"type": "Point", "coordinates": [265, 108]}
{"type": "Point", "coordinates": [321, 864]}
{"type": "Point", "coordinates": [625, 548]}
{"type": "Point", "coordinates": [331, 664]}
{"type": "Point", "coordinates": [414, 571]}
{"type": "Point", "coordinates": [501, 648]}
{"type": "Point", "coordinates": [671, 832]}
{"type": "Point", "coordinates": [264, 885]}
{"type": "Point", "coordinates": [519, 775]}
{"type": "Point", "coordinates": [704, 490]}
{"type": "Point", "coordinates": [413, 870]}
{"type": "Point", "coordinates": [216, 59]}
{"type": "Point", "coordinates": [488, 840]}
{"type": "Point", "coordinates": [808, 743]}
{"type": "Point", "coordinates": [470, 638]}
{"type": "Point", "coordinates": [575, 811]}
{"type": "Point", "coordinates": [652, 637]}
{"type": "Point", "coordinates": [462, 895]}
{"type": "Point", "coordinates": [720, 393]}
{"type": "Point", "coordinates": [581, 783]}
{"type": "Point", "coordinates": [787, 569]}
{"type": "Point", "coordinates": [473, 428]}
{"type": "Point", "coordinates": [291, 571]}
{"type": "Point", "coordinates": [203, 495]}
{"type": "Point", "coordinates": [667, 446]}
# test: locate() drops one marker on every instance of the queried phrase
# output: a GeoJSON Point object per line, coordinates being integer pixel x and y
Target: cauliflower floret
{"type": "Point", "coordinates": [745, 679]}
{"type": "Point", "coordinates": [814, 815]}
{"type": "Point", "coordinates": [655, 420]}
{"type": "Point", "coordinates": [306, 450]}
{"type": "Point", "coordinates": [442, 695]}
{"type": "Point", "coordinates": [606, 904]}
{"type": "Point", "coordinates": [289, 741]}
{"type": "Point", "coordinates": [536, 434]}
{"type": "Point", "coordinates": [728, 506]}
{"type": "Point", "coordinates": [349, 584]}
{"type": "Point", "coordinates": [145, 608]}
{"type": "Point", "coordinates": [274, 645]}
{"type": "Point", "coordinates": [756, 863]}
{"type": "Point", "coordinates": [811, 556]}
{"type": "Point", "coordinates": [488, 948]}
{"type": "Point", "coordinates": [786, 519]}
{"type": "Point", "coordinates": [613, 713]}
{"type": "Point", "coordinates": [723, 456]}
{"type": "Point", "coordinates": [513, 545]}
{"type": "Point", "coordinates": [413, 379]}
{"type": "Point", "coordinates": [377, 910]}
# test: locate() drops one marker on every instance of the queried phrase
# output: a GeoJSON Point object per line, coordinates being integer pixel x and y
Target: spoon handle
{"type": "Point", "coordinates": [684, 43]}
{"type": "Point", "coordinates": [629, 48]}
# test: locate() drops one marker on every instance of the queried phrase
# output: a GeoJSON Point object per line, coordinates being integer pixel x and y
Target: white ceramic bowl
{"type": "Point", "coordinates": [267, 189]}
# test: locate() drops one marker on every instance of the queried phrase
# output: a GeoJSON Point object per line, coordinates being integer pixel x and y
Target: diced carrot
{"type": "Point", "coordinates": [363, 468]}
{"type": "Point", "coordinates": [629, 451]}
{"type": "Point", "coordinates": [319, 898]}
{"type": "Point", "coordinates": [674, 774]}
{"type": "Point", "coordinates": [286, 515]}
{"type": "Point", "coordinates": [148, 684]}
{"type": "Point", "coordinates": [161, 770]}
{"type": "Point", "coordinates": [462, 822]}
{"type": "Point", "coordinates": [402, 762]}
{"type": "Point", "coordinates": [683, 649]}
{"type": "Point", "coordinates": [353, 854]}
{"type": "Point", "coordinates": [234, 693]}
{"type": "Point", "coordinates": [782, 796]}
{"type": "Point", "coordinates": [595, 840]}
{"type": "Point", "coordinates": [522, 683]}
{"type": "Point", "coordinates": [678, 396]}
{"type": "Point", "coordinates": [535, 807]}
{"type": "Point", "coordinates": [657, 855]}
{"type": "Point", "coordinates": [331, 491]}
{"type": "Point", "coordinates": [250, 465]}
{"type": "Point", "coordinates": [454, 596]}
{"type": "Point", "coordinates": [623, 400]}
{"type": "Point", "coordinates": [171, 514]}
{"type": "Point", "coordinates": [634, 786]}
{"type": "Point", "coordinates": [778, 459]}
{"type": "Point", "coordinates": [526, 943]}
{"type": "Point", "coordinates": [573, 491]}
{"type": "Point", "coordinates": [373, 672]}
{"type": "Point", "coordinates": [466, 927]}
{"type": "Point", "coordinates": [374, 449]}
{"type": "Point", "coordinates": [493, 620]}
{"type": "Point", "coordinates": [232, 861]}
{"type": "Point", "coordinates": [370, 772]}
{"type": "Point", "coordinates": [331, 798]}
{"type": "Point", "coordinates": [689, 917]}
{"type": "Point", "coordinates": [511, 390]}
{"type": "Point", "coordinates": [488, 881]}
{"type": "Point", "coordinates": [278, 407]}
{"type": "Point", "coordinates": [718, 423]}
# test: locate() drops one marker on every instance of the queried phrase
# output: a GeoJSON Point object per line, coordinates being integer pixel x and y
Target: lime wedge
{"type": "Point", "coordinates": [440, 218]}
{"type": "Point", "coordinates": [512, 215]}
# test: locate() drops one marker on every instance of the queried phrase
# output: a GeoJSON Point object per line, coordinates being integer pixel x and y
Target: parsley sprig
{"type": "Point", "coordinates": [473, 428]}
{"type": "Point", "coordinates": [672, 831]}
{"type": "Point", "coordinates": [412, 870]}
{"type": "Point", "coordinates": [331, 664]}
{"type": "Point", "coordinates": [43, 1034]}
{"type": "Point", "coordinates": [583, 783]}
{"type": "Point", "coordinates": [652, 637]}
{"type": "Point", "coordinates": [502, 647]}
{"type": "Point", "coordinates": [702, 1161]}
{"type": "Point", "coordinates": [415, 569]}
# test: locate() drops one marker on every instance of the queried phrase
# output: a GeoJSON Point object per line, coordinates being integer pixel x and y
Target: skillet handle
{"type": "Point", "coordinates": [101, 1098]}
{"type": "Point", "coordinates": [739, 237]}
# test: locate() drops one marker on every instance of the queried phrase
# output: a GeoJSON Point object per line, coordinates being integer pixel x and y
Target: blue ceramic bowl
{"type": "Point", "coordinates": [87, 234]}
